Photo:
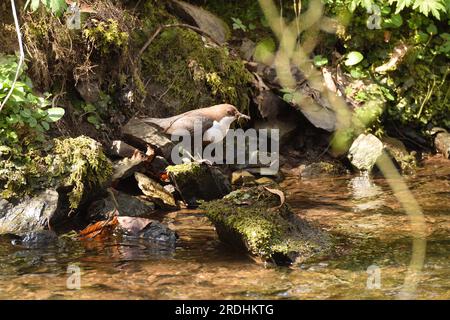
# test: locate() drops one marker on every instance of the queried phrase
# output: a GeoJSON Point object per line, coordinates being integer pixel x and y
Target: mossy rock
{"type": "Point", "coordinates": [253, 219]}
{"type": "Point", "coordinates": [76, 165]}
{"type": "Point", "coordinates": [186, 73]}
{"type": "Point", "coordinates": [198, 181]}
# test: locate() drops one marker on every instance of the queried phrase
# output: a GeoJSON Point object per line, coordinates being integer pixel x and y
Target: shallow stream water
{"type": "Point", "coordinates": [370, 228]}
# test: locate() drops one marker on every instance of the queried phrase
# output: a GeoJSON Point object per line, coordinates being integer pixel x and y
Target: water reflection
{"type": "Point", "coordinates": [366, 194]}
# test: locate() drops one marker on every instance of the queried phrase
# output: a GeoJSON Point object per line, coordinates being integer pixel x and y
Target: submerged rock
{"type": "Point", "coordinates": [196, 181]}
{"type": "Point", "coordinates": [149, 230]}
{"type": "Point", "coordinates": [42, 238]}
{"type": "Point", "coordinates": [365, 151]}
{"type": "Point", "coordinates": [258, 220]}
{"type": "Point", "coordinates": [322, 168]}
{"type": "Point", "coordinates": [28, 215]}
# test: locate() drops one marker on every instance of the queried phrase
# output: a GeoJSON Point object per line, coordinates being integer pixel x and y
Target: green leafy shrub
{"type": "Point", "coordinates": [25, 116]}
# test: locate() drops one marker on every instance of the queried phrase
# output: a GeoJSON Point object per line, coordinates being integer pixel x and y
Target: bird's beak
{"type": "Point", "coordinates": [242, 116]}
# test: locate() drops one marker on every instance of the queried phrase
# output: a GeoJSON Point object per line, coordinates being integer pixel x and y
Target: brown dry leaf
{"type": "Point", "coordinates": [278, 193]}
{"type": "Point", "coordinates": [100, 228]}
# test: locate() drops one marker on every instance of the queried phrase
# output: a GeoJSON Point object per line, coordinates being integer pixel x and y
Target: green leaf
{"type": "Point", "coordinates": [320, 60]}
{"type": "Point", "coordinates": [32, 122]}
{"type": "Point", "coordinates": [45, 125]}
{"type": "Point", "coordinates": [431, 29]}
{"type": "Point", "coordinates": [394, 21]}
{"type": "Point", "coordinates": [34, 5]}
{"type": "Point", "coordinates": [58, 6]}
{"type": "Point", "coordinates": [427, 6]}
{"type": "Point", "coordinates": [93, 120]}
{"type": "Point", "coordinates": [54, 114]}
{"type": "Point", "coordinates": [26, 113]}
{"type": "Point", "coordinates": [353, 58]}
{"type": "Point", "coordinates": [89, 107]}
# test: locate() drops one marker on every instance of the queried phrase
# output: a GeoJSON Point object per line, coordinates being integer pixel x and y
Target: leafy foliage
{"type": "Point", "coordinates": [55, 6]}
{"type": "Point", "coordinates": [26, 116]}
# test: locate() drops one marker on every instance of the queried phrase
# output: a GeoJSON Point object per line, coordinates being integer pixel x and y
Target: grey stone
{"type": "Point", "coordinates": [141, 134]}
{"type": "Point", "coordinates": [30, 214]}
{"type": "Point", "coordinates": [158, 165]}
{"type": "Point", "coordinates": [126, 167]}
{"type": "Point", "coordinates": [442, 143]}
{"type": "Point", "coordinates": [365, 151]}
{"type": "Point", "coordinates": [121, 149]}
{"type": "Point", "coordinates": [158, 233]}
{"type": "Point", "coordinates": [40, 238]}
{"type": "Point", "coordinates": [132, 206]}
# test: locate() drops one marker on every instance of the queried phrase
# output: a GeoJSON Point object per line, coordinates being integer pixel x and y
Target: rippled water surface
{"type": "Point", "coordinates": [368, 223]}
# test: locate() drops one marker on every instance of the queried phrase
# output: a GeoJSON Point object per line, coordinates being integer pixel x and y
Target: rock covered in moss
{"type": "Point", "coordinates": [75, 166]}
{"type": "Point", "coordinates": [195, 181]}
{"type": "Point", "coordinates": [253, 218]}
{"type": "Point", "coordinates": [80, 164]}
{"type": "Point", "coordinates": [185, 72]}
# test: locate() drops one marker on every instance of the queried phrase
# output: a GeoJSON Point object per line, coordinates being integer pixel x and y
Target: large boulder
{"type": "Point", "coordinates": [258, 220]}
{"type": "Point", "coordinates": [28, 215]}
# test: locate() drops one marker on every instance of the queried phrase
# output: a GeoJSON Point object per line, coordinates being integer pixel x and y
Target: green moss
{"type": "Point", "coordinates": [76, 162]}
{"type": "Point", "coordinates": [267, 229]}
{"type": "Point", "coordinates": [106, 35]}
{"type": "Point", "coordinates": [81, 163]}
{"type": "Point", "coordinates": [185, 171]}
{"type": "Point", "coordinates": [190, 167]}
{"type": "Point", "coordinates": [195, 74]}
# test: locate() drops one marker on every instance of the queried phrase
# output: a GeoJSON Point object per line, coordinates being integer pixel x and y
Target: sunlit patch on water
{"type": "Point", "coordinates": [367, 222]}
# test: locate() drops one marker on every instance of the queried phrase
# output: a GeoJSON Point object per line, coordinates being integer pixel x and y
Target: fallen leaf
{"type": "Point", "coordinates": [278, 193]}
{"type": "Point", "coordinates": [100, 228]}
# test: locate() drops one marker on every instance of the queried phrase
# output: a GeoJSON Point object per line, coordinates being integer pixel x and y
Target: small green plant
{"type": "Point", "coordinates": [320, 61]}
{"type": "Point", "coordinates": [239, 25]}
{"type": "Point", "coordinates": [26, 116]}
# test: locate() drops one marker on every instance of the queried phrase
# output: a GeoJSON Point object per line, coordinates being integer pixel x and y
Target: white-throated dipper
{"type": "Point", "coordinates": [215, 122]}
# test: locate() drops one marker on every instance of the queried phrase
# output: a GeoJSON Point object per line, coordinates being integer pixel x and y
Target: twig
{"type": "Point", "coordinates": [176, 25]}
{"type": "Point", "coordinates": [22, 55]}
